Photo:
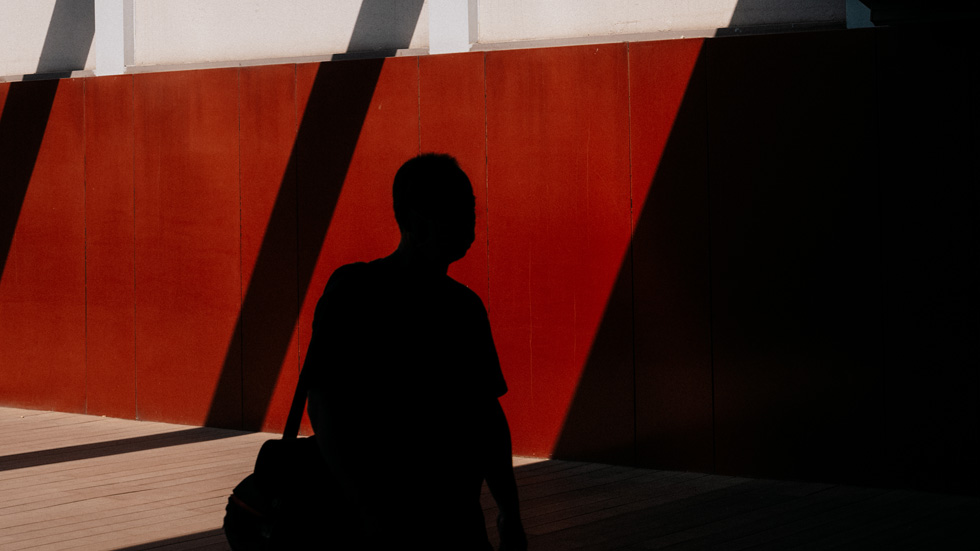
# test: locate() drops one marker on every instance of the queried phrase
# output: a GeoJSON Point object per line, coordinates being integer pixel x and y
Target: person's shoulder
{"type": "Point", "coordinates": [344, 281]}
{"type": "Point", "coordinates": [349, 273]}
{"type": "Point", "coordinates": [465, 295]}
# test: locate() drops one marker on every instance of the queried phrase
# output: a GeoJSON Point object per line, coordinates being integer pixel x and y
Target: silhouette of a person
{"type": "Point", "coordinates": [404, 398]}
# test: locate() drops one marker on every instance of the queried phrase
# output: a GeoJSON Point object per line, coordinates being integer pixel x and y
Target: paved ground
{"type": "Point", "coordinates": [81, 482]}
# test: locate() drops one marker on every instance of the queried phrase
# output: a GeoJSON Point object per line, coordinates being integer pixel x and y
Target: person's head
{"type": "Point", "coordinates": [435, 207]}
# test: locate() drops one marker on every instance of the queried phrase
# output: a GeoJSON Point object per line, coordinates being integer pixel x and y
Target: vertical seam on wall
{"type": "Point", "coordinates": [132, 123]}
{"type": "Point", "coordinates": [418, 96]}
{"type": "Point", "coordinates": [881, 236]}
{"type": "Point", "coordinates": [241, 267]}
{"type": "Point", "coordinates": [629, 158]}
{"type": "Point", "coordinates": [703, 54]}
{"type": "Point", "coordinates": [85, 238]}
{"type": "Point", "coordinates": [486, 175]}
{"type": "Point", "coordinates": [292, 169]}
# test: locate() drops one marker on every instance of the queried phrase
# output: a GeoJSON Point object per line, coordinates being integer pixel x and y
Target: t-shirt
{"type": "Point", "coordinates": [404, 367]}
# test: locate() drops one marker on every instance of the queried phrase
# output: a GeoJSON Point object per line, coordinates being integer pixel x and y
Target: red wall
{"type": "Point", "coordinates": [42, 287]}
{"type": "Point", "coordinates": [698, 254]}
{"type": "Point", "coordinates": [110, 361]}
{"type": "Point", "coordinates": [559, 207]}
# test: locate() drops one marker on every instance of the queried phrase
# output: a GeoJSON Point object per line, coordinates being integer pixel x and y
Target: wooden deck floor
{"type": "Point", "coordinates": [82, 482]}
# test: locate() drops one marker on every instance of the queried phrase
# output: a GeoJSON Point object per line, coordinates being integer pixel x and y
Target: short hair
{"type": "Point", "coordinates": [431, 184]}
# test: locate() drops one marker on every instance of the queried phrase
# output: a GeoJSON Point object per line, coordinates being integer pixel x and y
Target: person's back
{"type": "Point", "coordinates": [404, 398]}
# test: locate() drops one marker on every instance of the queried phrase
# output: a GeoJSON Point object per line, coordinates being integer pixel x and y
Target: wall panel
{"type": "Point", "coordinates": [669, 154]}
{"type": "Point", "coordinates": [42, 287]}
{"type": "Point", "coordinates": [110, 384]}
{"type": "Point", "coordinates": [927, 111]}
{"type": "Point", "coordinates": [271, 357]}
{"type": "Point", "coordinates": [188, 266]}
{"type": "Point", "coordinates": [794, 248]}
{"type": "Point", "coordinates": [360, 124]}
{"type": "Point", "coordinates": [558, 187]}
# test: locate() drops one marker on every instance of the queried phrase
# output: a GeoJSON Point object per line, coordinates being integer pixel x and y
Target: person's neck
{"type": "Point", "coordinates": [415, 262]}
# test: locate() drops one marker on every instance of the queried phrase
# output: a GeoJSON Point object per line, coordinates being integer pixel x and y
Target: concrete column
{"type": "Point", "coordinates": [113, 36]}
{"type": "Point", "coordinates": [452, 25]}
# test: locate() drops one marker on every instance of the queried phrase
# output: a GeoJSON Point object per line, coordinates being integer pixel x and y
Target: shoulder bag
{"type": "Point", "coordinates": [291, 500]}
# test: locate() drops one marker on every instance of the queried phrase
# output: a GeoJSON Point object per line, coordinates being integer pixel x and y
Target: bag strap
{"type": "Point", "coordinates": [296, 408]}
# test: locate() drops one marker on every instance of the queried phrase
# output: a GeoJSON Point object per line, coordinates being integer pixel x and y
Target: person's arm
{"type": "Point", "coordinates": [334, 389]}
{"type": "Point", "coordinates": [327, 385]}
{"type": "Point", "coordinates": [499, 474]}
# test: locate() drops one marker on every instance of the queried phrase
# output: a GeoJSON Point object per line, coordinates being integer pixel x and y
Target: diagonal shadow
{"type": "Point", "coordinates": [112, 447]}
{"type": "Point", "coordinates": [665, 335]}
{"type": "Point", "coordinates": [25, 113]}
{"type": "Point", "coordinates": [68, 41]}
{"type": "Point", "coordinates": [22, 125]}
{"type": "Point", "coordinates": [319, 161]}
{"type": "Point", "coordinates": [778, 372]}
{"type": "Point", "coordinates": [664, 287]}
{"type": "Point", "coordinates": [209, 539]}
